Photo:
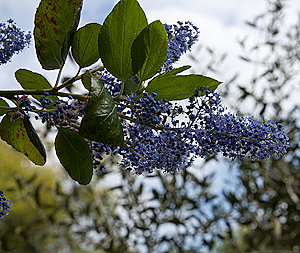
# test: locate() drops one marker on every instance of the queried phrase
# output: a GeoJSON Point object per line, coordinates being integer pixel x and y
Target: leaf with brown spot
{"type": "Point", "coordinates": [20, 134]}
{"type": "Point", "coordinates": [55, 24]}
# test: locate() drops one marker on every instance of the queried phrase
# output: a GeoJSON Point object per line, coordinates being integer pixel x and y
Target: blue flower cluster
{"type": "Point", "coordinates": [12, 40]}
{"type": "Point", "coordinates": [147, 149]}
{"type": "Point", "coordinates": [181, 37]}
{"type": "Point", "coordinates": [111, 83]}
{"type": "Point", "coordinates": [149, 142]}
{"type": "Point", "coordinates": [215, 130]}
{"type": "Point", "coordinates": [24, 104]}
{"type": "Point", "coordinates": [62, 113]}
{"type": "Point", "coordinates": [4, 205]}
{"type": "Point", "coordinates": [165, 136]}
{"type": "Point", "coordinates": [146, 110]}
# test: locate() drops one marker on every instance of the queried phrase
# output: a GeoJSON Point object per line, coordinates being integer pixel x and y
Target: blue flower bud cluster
{"type": "Point", "coordinates": [181, 37]}
{"type": "Point", "coordinates": [215, 130]}
{"type": "Point", "coordinates": [4, 205]}
{"type": "Point", "coordinates": [12, 40]}
{"type": "Point", "coordinates": [111, 83]}
{"type": "Point", "coordinates": [169, 137]}
{"type": "Point", "coordinates": [148, 149]}
{"type": "Point", "coordinates": [60, 112]}
{"type": "Point", "coordinates": [25, 104]}
{"type": "Point", "coordinates": [63, 113]}
{"type": "Point", "coordinates": [146, 110]}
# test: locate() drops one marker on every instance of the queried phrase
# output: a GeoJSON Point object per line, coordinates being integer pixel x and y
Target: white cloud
{"type": "Point", "coordinates": [221, 22]}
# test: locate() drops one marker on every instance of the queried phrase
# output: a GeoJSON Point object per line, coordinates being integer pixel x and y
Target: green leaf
{"type": "Point", "coordinates": [85, 45]}
{"type": "Point", "coordinates": [174, 71]}
{"type": "Point", "coordinates": [33, 81]}
{"type": "Point", "coordinates": [74, 154]}
{"type": "Point", "coordinates": [86, 80]}
{"type": "Point", "coordinates": [55, 23]}
{"type": "Point", "coordinates": [149, 50]}
{"type": "Point", "coordinates": [119, 30]}
{"type": "Point", "coordinates": [180, 87]}
{"type": "Point", "coordinates": [101, 122]}
{"type": "Point", "coordinates": [20, 134]}
{"type": "Point", "coordinates": [3, 103]}
{"type": "Point", "coordinates": [71, 32]}
{"type": "Point", "coordinates": [130, 86]}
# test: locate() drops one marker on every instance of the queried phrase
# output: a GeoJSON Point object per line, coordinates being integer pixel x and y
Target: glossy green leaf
{"type": "Point", "coordinates": [3, 103]}
{"type": "Point", "coordinates": [85, 45]}
{"type": "Point", "coordinates": [149, 50]}
{"type": "Point", "coordinates": [101, 122]}
{"type": "Point", "coordinates": [74, 154]}
{"type": "Point", "coordinates": [119, 30]}
{"type": "Point", "coordinates": [55, 24]}
{"type": "Point", "coordinates": [131, 86]}
{"type": "Point", "coordinates": [174, 71]}
{"type": "Point", "coordinates": [180, 87]}
{"type": "Point", "coordinates": [20, 134]}
{"type": "Point", "coordinates": [33, 81]}
{"type": "Point", "coordinates": [86, 80]}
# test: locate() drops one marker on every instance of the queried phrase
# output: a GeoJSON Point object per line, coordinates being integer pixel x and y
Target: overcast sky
{"type": "Point", "coordinates": [221, 23]}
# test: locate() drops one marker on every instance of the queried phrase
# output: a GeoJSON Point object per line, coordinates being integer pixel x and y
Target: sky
{"type": "Point", "coordinates": [221, 23]}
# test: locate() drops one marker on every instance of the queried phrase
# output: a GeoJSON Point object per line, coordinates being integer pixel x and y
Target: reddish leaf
{"type": "Point", "coordinates": [55, 24]}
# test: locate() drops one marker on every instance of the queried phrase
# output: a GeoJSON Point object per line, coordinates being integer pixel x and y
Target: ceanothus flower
{"type": "Point", "coordinates": [4, 205]}
{"type": "Point", "coordinates": [156, 137]}
{"type": "Point", "coordinates": [166, 136]}
{"type": "Point", "coordinates": [216, 130]}
{"type": "Point", "coordinates": [181, 38]}
{"type": "Point", "coordinates": [12, 40]}
{"type": "Point", "coordinates": [111, 83]}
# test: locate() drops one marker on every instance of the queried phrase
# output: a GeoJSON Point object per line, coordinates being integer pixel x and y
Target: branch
{"type": "Point", "coordinates": [11, 93]}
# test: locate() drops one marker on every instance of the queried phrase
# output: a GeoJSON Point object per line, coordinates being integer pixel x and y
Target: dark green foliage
{"type": "Point", "coordinates": [174, 87]}
{"type": "Point", "coordinates": [33, 81]}
{"type": "Point", "coordinates": [174, 71]}
{"type": "Point", "coordinates": [86, 80]}
{"type": "Point", "coordinates": [101, 122]}
{"type": "Point", "coordinates": [74, 154]}
{"type": "Point", "coordinates": [130, 86]}
{"type": "Point", "coordinates": [120, 29]}
{"type": "Point", "coordinates": [34, 138]}
{"type": "Point", "coordinates": [85, 45]}
{"type": "Point", "coordinates": [149, 50]}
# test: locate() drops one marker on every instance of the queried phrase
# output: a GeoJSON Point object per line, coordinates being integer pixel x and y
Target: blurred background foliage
{"type": "Point", "coordinates": [160, 213]}
{"type": "Point", "coordinates": [121, 212]}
